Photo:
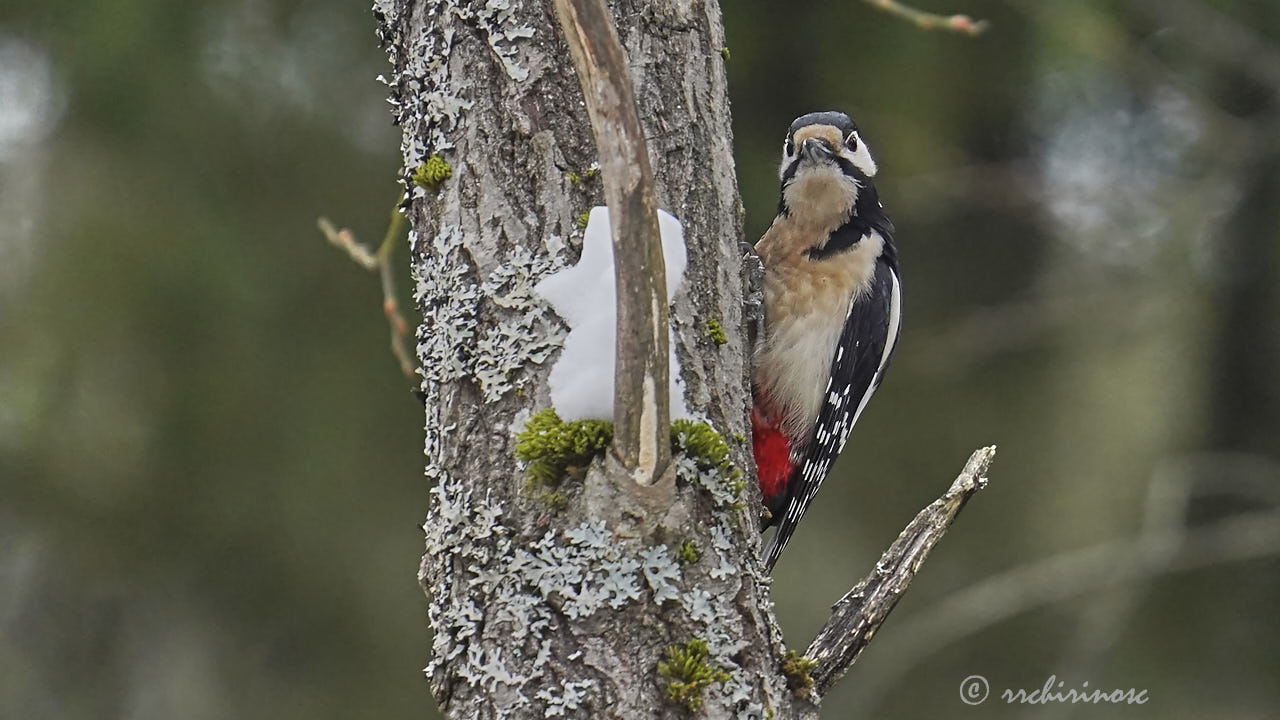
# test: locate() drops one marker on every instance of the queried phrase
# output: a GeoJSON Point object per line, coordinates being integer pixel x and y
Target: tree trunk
{"type": "Point", "coordinates": [589, 599]}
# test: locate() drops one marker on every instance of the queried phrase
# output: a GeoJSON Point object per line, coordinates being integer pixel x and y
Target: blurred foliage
{"type": "Point", "coordinates": [210, 467]}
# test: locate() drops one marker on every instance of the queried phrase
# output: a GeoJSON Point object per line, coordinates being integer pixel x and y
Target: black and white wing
{"type": "Point", "coordinates": [862, 355]}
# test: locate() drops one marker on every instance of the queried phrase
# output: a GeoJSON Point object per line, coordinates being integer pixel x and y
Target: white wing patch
{"type": "Point", "coordinates": [895, 323]}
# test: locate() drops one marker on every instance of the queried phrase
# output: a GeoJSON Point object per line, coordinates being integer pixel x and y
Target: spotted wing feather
{"type": "Point", "coordinates": [862, 356]}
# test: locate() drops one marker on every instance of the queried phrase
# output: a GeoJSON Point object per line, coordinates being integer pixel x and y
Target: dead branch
{"type": "Point", "coordinates": [641, 416]}
{"type": "Point", "coordinates": [859, 614]}
{"type": "Point", "coordinates": [1166, 546]}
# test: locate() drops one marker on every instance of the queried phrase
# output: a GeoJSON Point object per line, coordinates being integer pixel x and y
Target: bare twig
{"type": "Point", "coordinates": [932, 21]}
{"type": "Point", "coordinates": [859, 614]}
{"type": "Point", "coordinates": [345, 240]}
{"type": "Point", "coordinates": [641, 415]}
{"type": "Point", "coordinates": [380, 261]}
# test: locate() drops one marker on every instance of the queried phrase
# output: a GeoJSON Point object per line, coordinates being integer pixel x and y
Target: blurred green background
{"type": "Point", "coordinates": [210, 467]}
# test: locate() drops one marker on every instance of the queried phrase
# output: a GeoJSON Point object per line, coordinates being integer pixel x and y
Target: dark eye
{"type": "Point", "coordinates": [788, 148]}
{"type": "Point", "coordinates": [851, 142]}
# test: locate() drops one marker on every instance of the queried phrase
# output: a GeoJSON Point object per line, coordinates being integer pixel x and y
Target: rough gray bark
{"type": "Point", "coordinates": [578, 608]}
{"type": "Point", "coordinates": [539, 612]}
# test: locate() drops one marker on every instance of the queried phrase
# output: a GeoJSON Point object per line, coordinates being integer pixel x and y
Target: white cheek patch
{"type": "Point", "coordinates": [786, 162]}
{"type": "Point", "coordinates": [861, 158]}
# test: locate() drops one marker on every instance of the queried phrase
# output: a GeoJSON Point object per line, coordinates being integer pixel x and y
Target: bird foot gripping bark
{"type": "Point", "coordinates": [753, 294]}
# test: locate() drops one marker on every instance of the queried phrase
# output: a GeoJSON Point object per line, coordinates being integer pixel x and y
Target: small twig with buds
{"type": "Point", "coordinates": [859, 614]}
{"type": "Point", "coordinates": [932, 21]}
{"type": "Point", "coordinates": [379, 261]}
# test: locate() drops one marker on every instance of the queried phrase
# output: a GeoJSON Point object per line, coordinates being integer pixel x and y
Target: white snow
{"type": "Point", "coordinates": [585, 296]}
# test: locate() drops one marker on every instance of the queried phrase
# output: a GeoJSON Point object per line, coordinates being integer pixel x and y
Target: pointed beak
{"type": "Point", "coordinates": [817, 150]}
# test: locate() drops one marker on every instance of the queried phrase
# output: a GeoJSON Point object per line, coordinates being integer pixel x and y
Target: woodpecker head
{"type": "Point", "coordinates": [825, 165]}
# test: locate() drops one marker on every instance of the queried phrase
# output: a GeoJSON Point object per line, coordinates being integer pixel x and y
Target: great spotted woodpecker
{"type": "Point", "coordinates": [832, 312]}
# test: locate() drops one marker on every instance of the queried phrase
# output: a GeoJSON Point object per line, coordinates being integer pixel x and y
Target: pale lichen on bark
{"type": "Point", "coordinates": [596, 605]}
{"type": "Point", "coordinates": [542, 612]}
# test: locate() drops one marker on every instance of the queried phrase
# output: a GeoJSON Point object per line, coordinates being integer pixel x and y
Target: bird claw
{"type": "Point", "coordinates": [753, 293]}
